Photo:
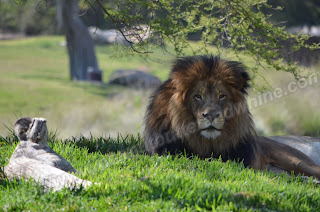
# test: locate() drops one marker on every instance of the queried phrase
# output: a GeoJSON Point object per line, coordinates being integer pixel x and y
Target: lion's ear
{"type": "Point", "coordinates": [244, 82]}
{"type": "Point", "coordinates": [240, 75]}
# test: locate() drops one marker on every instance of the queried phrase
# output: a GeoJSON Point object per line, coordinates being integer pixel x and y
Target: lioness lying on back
{"type": "Point", "coordinates": [202, 110]}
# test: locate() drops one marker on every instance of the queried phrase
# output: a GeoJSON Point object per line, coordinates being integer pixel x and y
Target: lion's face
{"type": "Point", "coordinates": [202, 105]}
{"type": "Point", "coordinates": [209, 105]}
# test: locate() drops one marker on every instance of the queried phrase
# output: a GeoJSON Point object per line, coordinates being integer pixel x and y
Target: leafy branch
{"type": "Point", "coordinates": [236, 24]}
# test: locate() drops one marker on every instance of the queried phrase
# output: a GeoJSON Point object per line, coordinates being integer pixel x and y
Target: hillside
{"type": "Point", "coordinates": [35, 82]}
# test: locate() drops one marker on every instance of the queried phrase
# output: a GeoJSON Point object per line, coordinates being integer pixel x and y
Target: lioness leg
{"type": "Point", "coordinates": [287, 158]}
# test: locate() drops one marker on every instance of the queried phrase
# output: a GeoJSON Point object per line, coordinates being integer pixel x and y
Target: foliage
{"type": "Point", "coordinates": [29, 17]}
{"type": "Point", "coordinates": [240, 25]}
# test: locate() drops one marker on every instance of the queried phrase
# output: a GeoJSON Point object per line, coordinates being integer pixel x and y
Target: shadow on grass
{"type": "Point", "coordinates": [104, 145]}
{"type": "Point", "coordinates": [128, 143]}
{"type": "Point", "coordinates": [5, 183]}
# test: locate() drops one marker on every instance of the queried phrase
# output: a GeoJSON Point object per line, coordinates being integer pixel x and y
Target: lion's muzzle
{"type": "Point", "coordinates": [211, 123]}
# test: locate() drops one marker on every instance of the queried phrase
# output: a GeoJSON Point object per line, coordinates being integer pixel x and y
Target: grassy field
{"type": "Point", "coordinates": [132, 181]}
{"type": "Point", "coordinates": [35, 81]}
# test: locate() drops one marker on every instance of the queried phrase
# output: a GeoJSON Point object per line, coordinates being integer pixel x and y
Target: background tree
{"type": "Point", "coordinates": [41, 17]}
{"type": "Point", "coordinates": [79, 42]}
{"type": "Point", "coordinates": [28, 17]}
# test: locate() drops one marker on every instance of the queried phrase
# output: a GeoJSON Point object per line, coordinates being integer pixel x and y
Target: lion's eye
{"type": "Point", "coordinates": [222, 96]}
{"type": "Point", "coordinates": [198, 97]}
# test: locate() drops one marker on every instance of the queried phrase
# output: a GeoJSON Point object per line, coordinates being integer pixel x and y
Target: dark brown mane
{"type": "Point", "coordinates": [169, 123]}
{"type": "Point", "coordinates": [186, 71]}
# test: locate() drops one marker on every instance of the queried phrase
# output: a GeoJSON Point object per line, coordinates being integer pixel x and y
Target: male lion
{"type": "Point", "coordinates": [202, 110]}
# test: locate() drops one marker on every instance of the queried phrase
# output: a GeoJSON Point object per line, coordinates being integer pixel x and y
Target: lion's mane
{"type": "Point", "coordinates": [171, 128]}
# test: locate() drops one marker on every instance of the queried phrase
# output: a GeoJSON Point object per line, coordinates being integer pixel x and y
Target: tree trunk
{"type": "Point", "coordinates": [79, 42]}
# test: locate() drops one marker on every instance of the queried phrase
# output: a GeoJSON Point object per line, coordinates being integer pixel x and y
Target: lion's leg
{"type": "Point", "coordinates": [288, 158]}
{"type": "Point", "coordinates": [157, 143]}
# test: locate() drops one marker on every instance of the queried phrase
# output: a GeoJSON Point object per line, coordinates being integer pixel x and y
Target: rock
{"type": "Point", "coordinates": [134, 79]}
{"type": "Point", "coordinates": [110, 36]}
{"type": "Point", "coordinates": [94, 75]}
{"type": "Point", "coordinates": [136, 34]}
{"type": "Point", "coordinates": [33, 158]}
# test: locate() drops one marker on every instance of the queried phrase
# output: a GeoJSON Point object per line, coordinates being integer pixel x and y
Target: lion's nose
{"type": "Point", "coordinates": [211, 115]}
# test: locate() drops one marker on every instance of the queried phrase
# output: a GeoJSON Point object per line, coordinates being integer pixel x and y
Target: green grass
{"type": "Point", "coordinates": [130, 180]}
{"type": "Point", "coordinates": [35, 81]}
